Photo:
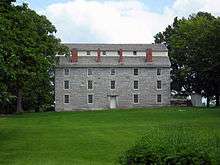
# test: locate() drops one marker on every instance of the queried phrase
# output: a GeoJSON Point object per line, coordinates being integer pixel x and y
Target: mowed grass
{"type": "Point", "coordinates": [97, 137]}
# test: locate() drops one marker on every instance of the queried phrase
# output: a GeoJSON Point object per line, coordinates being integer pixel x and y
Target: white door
{"type": "Point", "coordinates": [112, 102]}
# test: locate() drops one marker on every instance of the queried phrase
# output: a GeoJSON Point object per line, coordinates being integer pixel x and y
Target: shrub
{"type": "Point", "coordinates": [171, 147]}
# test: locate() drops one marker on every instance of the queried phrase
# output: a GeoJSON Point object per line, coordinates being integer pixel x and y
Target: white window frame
{"type": "Point", "coordinates": [88, 84]}
{"type": "Point", "coordinates": [138, 98]}
{"type": "Point", "coordinates": [111, 72]}
{"type": "Point", "coordinates": [137, 85]}
{"type": "Point", "coordinates": [64, 98]}
{"type": "Point", "coordinates": [111, 85]}
{"type": "Point", "coordinates": [64, 72]}
{"type": "Point", "coordinates": [64, 84]}
{"type": "Point", "coordinates": [88, 98]}
{"type": "Point", "coordinates": [160, 85]}
{"type": "Point", "coordinates": [137, 71]}
{"type": "Point", "coordinates": [114, 53]}
{"type": "Point", "coordinates": [88, 72]}
{"type": "Point", "coordinates": [160, 98]}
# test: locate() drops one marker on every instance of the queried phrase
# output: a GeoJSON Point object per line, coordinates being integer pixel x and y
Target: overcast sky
{"type": "Point", "coordinates": [114, 21]}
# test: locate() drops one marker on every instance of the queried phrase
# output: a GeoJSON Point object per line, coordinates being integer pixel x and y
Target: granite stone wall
{"type": "Point", "coordinates": [101, 91]}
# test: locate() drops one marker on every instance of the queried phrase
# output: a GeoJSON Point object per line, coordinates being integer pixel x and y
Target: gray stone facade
{"type": "Point", "coordinates": [101, 82]}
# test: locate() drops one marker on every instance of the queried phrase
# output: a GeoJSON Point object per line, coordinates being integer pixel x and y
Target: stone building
{"type": "Point", "coordinates": [102, 76]}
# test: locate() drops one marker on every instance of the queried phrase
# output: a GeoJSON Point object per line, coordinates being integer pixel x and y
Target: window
{"type": "Point", "coordinates": [158, 71]}
{"type": "Point", "coordinates": [136, 100]}
{"type": "Point", "coordinates": [66, 98]}
{"type": "Point", "coordinates": [89, 84]}
{"type": "Point", "coordinates": [88, 53]}
{"type": "Point", "coordinates": [135, 84]}
{"type": "Point", "coordinates": [158, 84]}
{"type": "Point", "coordinates": [134, 52]}
{"type": "Point", "coordinates": [104, 53]}
{"type": "Point", "coordinates": [112, 71]}
{"type": "Point", "coordinates": [118, 52]}
{"type": "Point", "coordinates": [90, 99]}
{"type": "Point", "coordinates": [159, 98]}
{"type": "Point", "coordinates": [89, 71]}
{"type": "Point", "coordinates": [112, 84]}
{"type": "Point", "coordinates": [66, 84]}
{"type": "Point", "coordinates": [135, 71]}
{"type": "Point", "coordinates": [66, 72]}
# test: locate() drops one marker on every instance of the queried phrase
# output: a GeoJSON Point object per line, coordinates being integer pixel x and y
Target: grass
{"type": "Point", "coordinates": [97, 137]}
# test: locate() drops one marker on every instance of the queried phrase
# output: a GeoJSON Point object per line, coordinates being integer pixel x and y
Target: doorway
{"type": "Point", "coordinates": [113, 102]}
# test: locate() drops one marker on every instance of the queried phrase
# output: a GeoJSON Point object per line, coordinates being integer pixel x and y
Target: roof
{"type": "Point", "coordinates": [113, 47]}
{"type": "Point", "coordinates": [158, 61]}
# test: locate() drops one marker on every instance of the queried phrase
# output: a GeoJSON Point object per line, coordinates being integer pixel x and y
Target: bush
{"type": "Point", "coordinates": [166, 147]}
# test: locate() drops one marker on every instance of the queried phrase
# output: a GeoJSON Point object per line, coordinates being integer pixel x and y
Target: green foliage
{"type": "Point", "coordinates": [179, 146]}
{"type": "Point", "coordinates": [27, 56]}
{"type": "Point", "coordinates": [94, 137]}
{"type": "Point", "coordinates": [194, 52]}
{"type": "Point", "coordinates": [6, 3]}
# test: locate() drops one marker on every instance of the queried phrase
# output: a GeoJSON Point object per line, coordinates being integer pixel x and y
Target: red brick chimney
{"type": "Point", "coordinates": [74, 57]}
{"type": "Point", "coordinates": [98, 58]}
{"type": "Point", "coordinates": [149, 55]}
{"type": "Point", "coordinates": [121, 58]}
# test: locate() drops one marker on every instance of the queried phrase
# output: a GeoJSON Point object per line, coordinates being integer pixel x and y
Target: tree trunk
{"type": "Point", "coordinates": [208, 101]}
{"type": "Point", "coordinates": [19, 101]}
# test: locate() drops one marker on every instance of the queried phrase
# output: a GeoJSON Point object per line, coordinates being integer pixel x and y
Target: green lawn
{"type": "Point", "coordinates": [97, 137]}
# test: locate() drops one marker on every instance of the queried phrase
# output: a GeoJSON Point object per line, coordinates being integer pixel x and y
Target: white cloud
{"type": "Point", "coordinates": [183, 8]}
{"type": "Point", "coordinates": [118, 21]}
{"type": "Point", "coordinates": [108, 21]}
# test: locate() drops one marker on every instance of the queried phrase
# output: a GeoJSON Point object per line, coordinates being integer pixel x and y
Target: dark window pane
{"type": "Point", "coordinates": [134, 52]}
{"type": "Point", "coordinates": [112, 71]}
{"type": "Point", "coordinates": [66, 99]}
{"type": "Point", "coordinates": [89, 84]}
{"type": "Point", "coordinates": [89, 71]}
{"type": "Point", "coordinates": [66, 84]}
{"type": "Point", "coordinates": [112, 84]}
{"type": "Point", "coordinates": [135, 98]}
{"type": "Point", "coordinates": [135, 71]}
{"type": "Point", "coordinates": [158, 71]}
{"type": "Point", "coordinates": [88, 52]}
{"type": "Point", "coordinates": [135, 84]}
{"type": "Point", "coordinates": [158, 98]}
{"type": "Point", "coordinates": [90, 99]}
{"type": "Point", "coordinates": [158, 84]}
{"type": "Point", "coordinates": [67, 71]}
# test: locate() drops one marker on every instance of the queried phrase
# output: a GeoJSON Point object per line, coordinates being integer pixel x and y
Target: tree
{"type": "Point", "coordinates": [193, 45]}
{"type": "Point", "coordinates": [27, 50]}
{"type": "Point", "coordinates": [6, 3]}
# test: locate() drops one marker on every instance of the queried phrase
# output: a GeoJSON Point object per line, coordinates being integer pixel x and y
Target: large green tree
{"type": "Point", "coordinates": [27, 54]}
{"type": "Point", "coordinates": [194, 50]}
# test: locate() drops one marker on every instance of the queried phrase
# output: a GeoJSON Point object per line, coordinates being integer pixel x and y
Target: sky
{"type": "Point", "coordinates": [116, 21]}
